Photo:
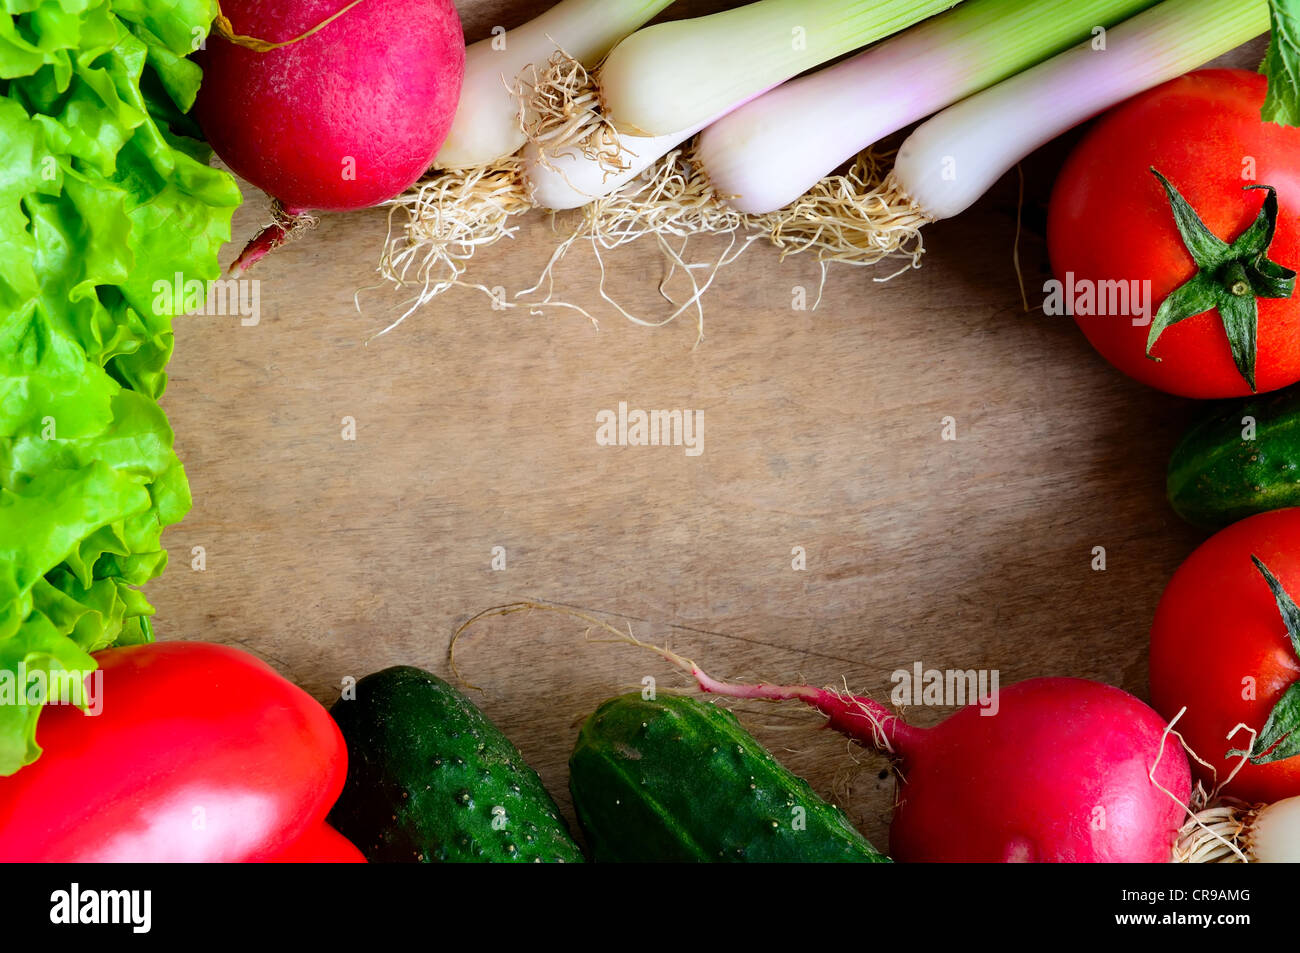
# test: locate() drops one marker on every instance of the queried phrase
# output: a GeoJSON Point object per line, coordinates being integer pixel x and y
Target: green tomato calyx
{"type": "Point", "coordinates": [1229, 277]}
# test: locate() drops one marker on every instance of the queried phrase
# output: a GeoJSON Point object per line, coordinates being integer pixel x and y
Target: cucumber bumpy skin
{"type": "Point", "coordinates": [431, 780]}
{"type": "Point", "coordinates": [1216, 477]}
{"type": "Point", "coordinates": [677, 779]}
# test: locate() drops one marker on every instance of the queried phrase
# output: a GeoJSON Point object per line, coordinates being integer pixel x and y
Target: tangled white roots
{"type": "Point", "coordinates": [858, 217]}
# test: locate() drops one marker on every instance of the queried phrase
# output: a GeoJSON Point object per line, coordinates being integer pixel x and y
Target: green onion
{"type": "Point", "coordinates": [774, 149]}
{"type": "Point", "coordinates": [954, 158]}
{"type": "Point", "coordinates": [487, 126]}
{"type": "Point", "coordinates": [679, 75]}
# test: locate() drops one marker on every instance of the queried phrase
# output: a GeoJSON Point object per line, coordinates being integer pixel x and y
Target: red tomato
{"type": "Point", "coordinates": [200, 753]}
{"type": "Point", "coordinates": [1110, 219]}
{"type": "Point", "coordinates": [1219, 646]}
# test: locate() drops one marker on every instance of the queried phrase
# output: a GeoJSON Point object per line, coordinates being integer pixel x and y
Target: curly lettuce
{"type": "Point", "coordinates": [1282, 64]}
{"type": "Point", "coordinates": [101, 195]}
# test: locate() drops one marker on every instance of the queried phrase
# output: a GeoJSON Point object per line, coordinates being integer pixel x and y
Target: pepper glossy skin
{"type": "Point", "coordinates": [201, 752]}
{"type": "Point", "coordinates": [321, 845]}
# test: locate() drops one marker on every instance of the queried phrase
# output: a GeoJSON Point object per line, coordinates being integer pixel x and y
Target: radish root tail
{"type": "Point", "coordinates": [286, 226]}
{"type": "Point", "coordinates": [844, 711]}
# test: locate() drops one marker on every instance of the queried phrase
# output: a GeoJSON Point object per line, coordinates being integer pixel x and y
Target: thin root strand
{"type": "Point", "coordinates": [861, 719]}
{"type": "Point", "coordinates": [435, 229]}
{"type": "Point", "coordinates": [860, 217]}
{"type": "Point", "coordinates": [560, 110]}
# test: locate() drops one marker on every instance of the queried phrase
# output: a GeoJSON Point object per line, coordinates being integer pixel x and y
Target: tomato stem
{"type": "Point", "coordinates": [1229, 277]}
{"type": "Point", "coordinates": [1279, 738]}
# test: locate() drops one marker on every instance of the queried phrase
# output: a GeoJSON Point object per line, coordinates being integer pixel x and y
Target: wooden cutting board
{"type": "Point", "coordinates": [476, 429]}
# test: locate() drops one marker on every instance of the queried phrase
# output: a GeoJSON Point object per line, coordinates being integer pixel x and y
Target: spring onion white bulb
{"type": "Point", "coordinates": [564, 178]}
{"type": "Point", "coordinates": [1234, 833]}
{"type": "Point", "coordinates": [487, 127]}
{"type": "Point", "coordinates": [576, 153]}
{"type": "Point", "coordinates": [702, 69]}
{"type": "Point", "coordinates": [1274, 835]}
{"type": "Point", "coordinates": [676, 75]}
{"type": "Point", "coordinates": [954, 158]}
{"type": "Point", "coordinates": [775, 148]}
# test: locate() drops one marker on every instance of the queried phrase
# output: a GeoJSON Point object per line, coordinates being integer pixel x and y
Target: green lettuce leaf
{"type": "Point", "coordinates": [101, 196]}
{"type": "Point", "coordinates": [1282, 64]}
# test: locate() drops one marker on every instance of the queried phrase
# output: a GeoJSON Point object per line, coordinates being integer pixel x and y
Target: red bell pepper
{"type": "Point", "coordinates": [324, 845]}
{"type": "Point", "coordinates": [201, 753]}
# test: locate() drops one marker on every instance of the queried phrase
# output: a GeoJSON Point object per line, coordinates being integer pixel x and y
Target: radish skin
{"type": "Point", "coordinates": [347, 117]}
{"type": "Point", "coordinates": [1049, 769]}
{"type": "Point", "coordinates": [347, 114]}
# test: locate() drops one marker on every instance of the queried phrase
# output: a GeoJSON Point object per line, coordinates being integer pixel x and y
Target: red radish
{"type": "Point", "coordinates": [1061, 771]}
{"type": "Point", "coordinates": [339, 118]}
{"type": "Point", "coordinates": [1049, 769]}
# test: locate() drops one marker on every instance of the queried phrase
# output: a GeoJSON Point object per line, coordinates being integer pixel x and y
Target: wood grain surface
{"type": "Point", "coordinates": [476, 428]}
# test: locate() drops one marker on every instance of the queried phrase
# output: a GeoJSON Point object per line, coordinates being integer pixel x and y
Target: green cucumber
{"type": "Point", "coordinates": [431, 780]}
{"type": "Point", "coordinates": [1217, 476]}
{"type": "Point", "coordinates": [678, 779]}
